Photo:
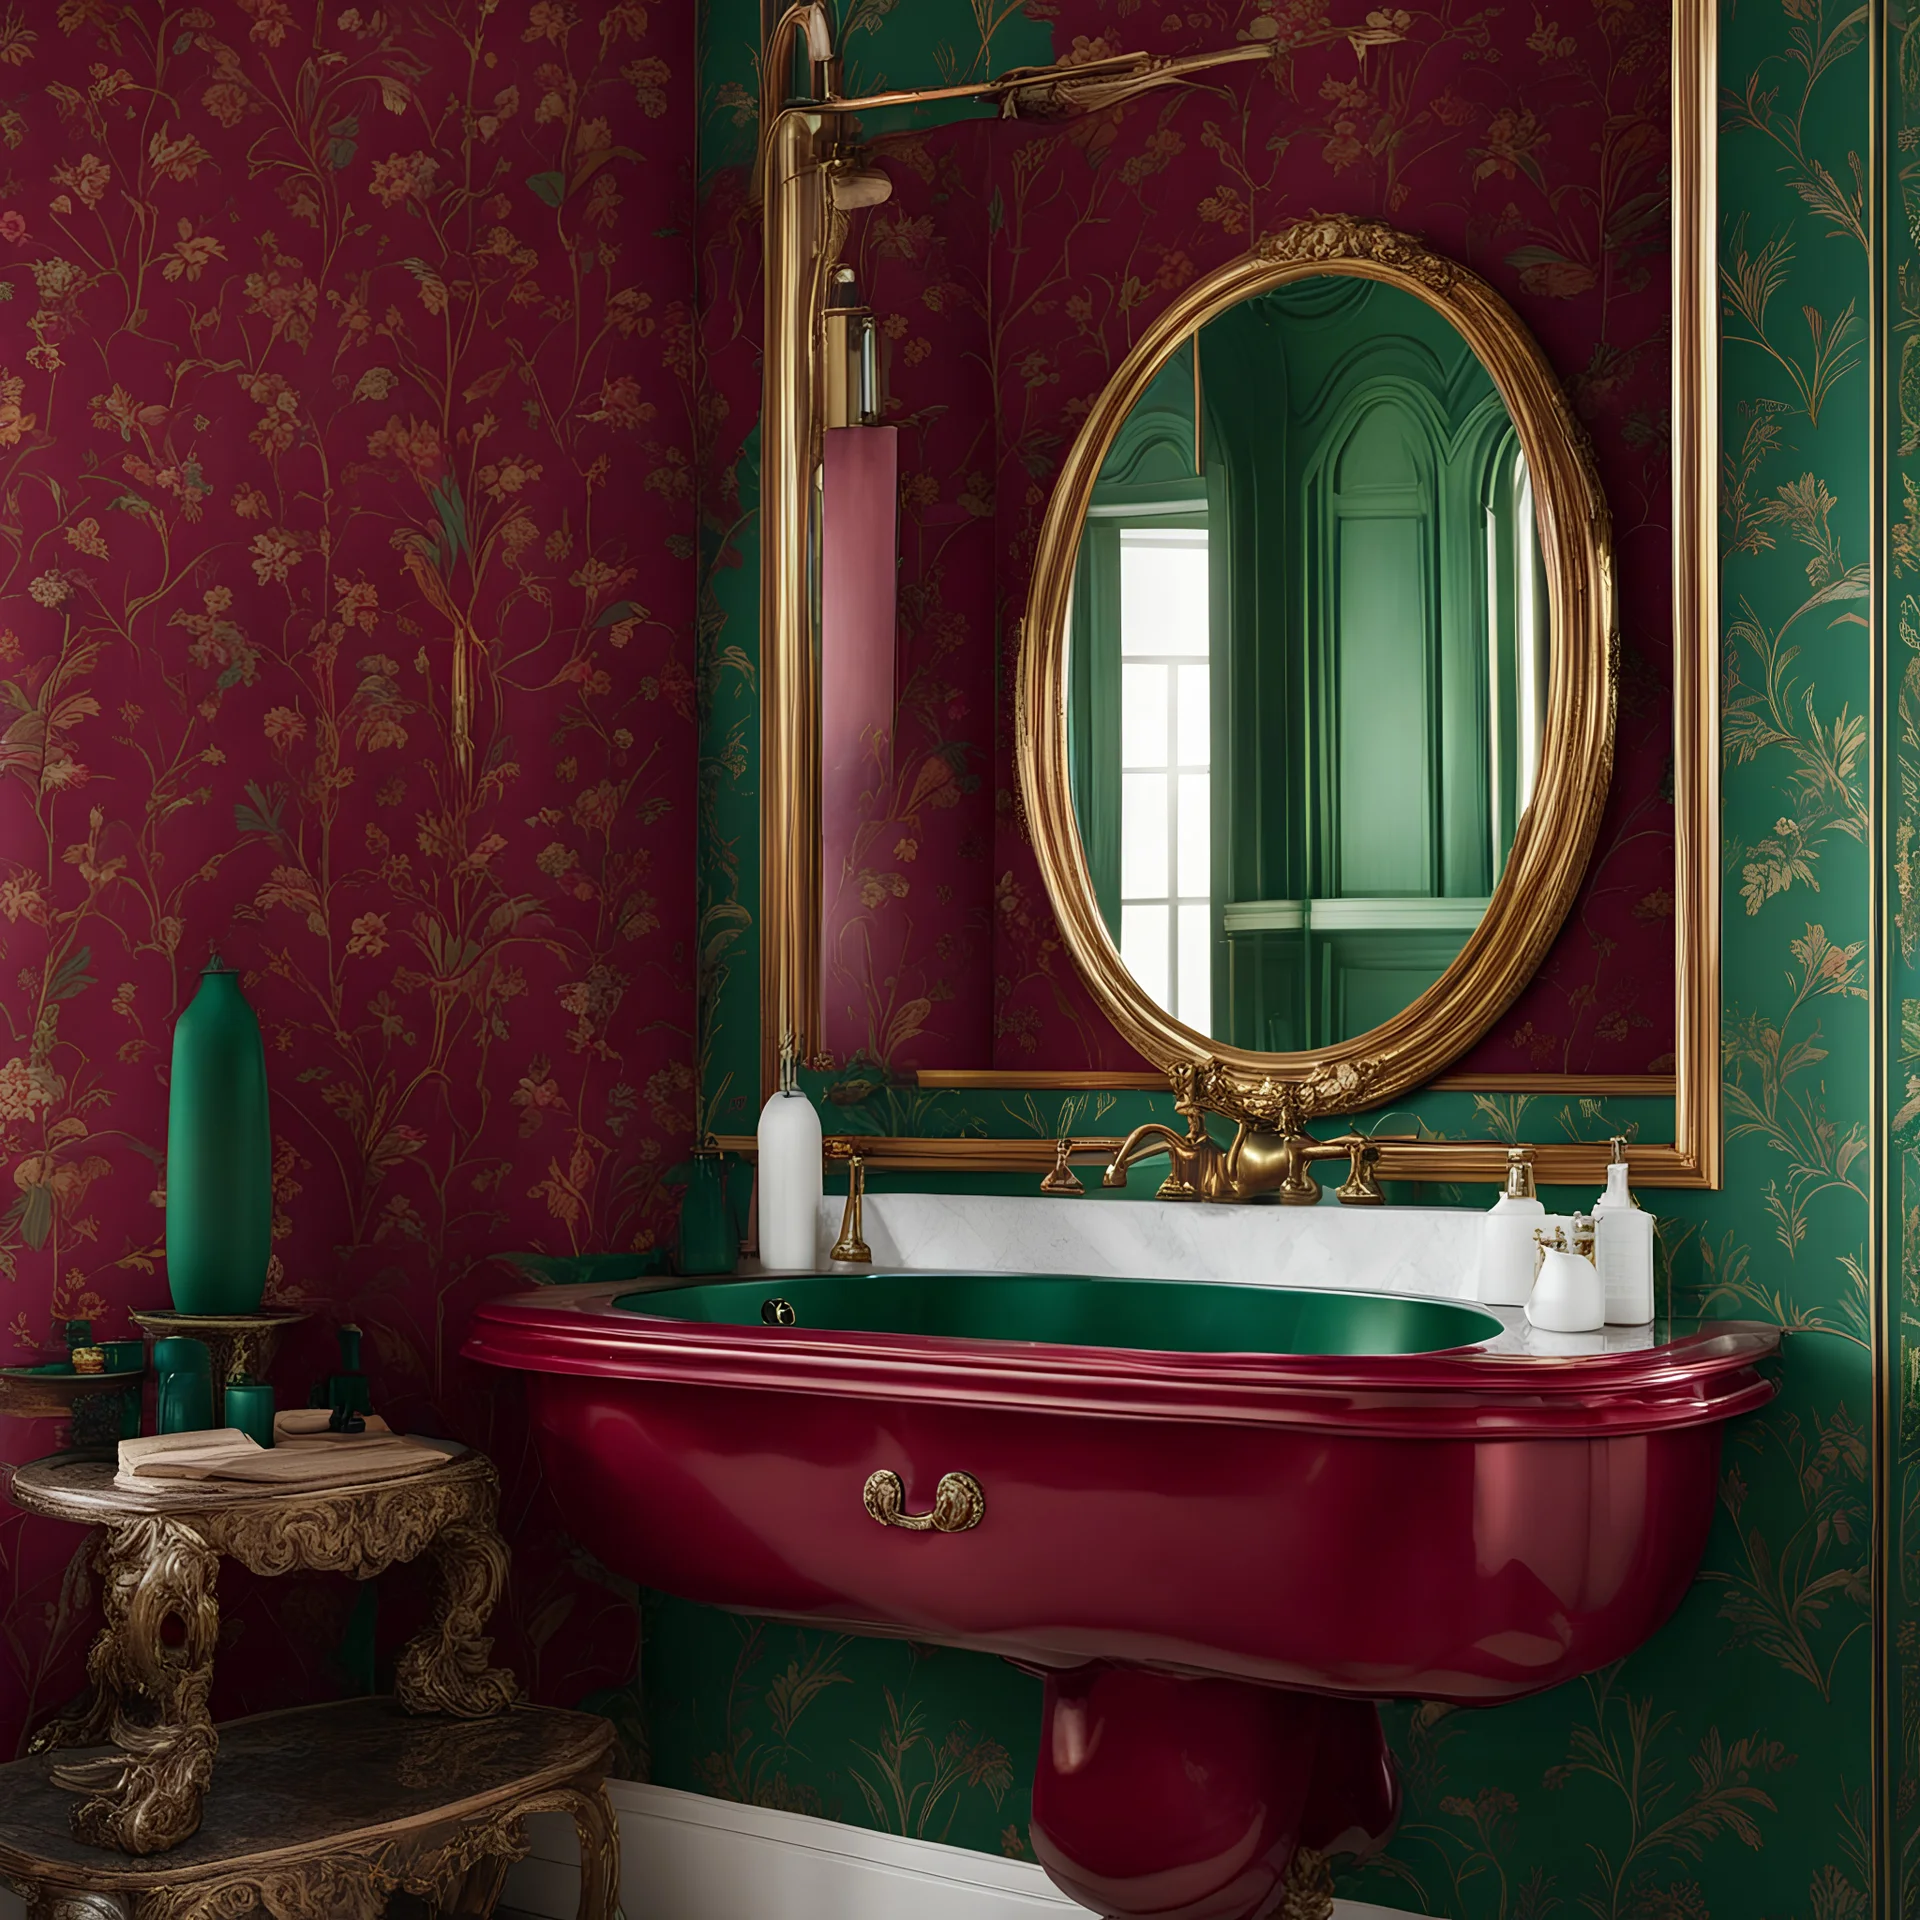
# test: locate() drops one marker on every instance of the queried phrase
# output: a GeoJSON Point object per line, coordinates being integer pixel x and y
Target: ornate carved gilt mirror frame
{"type": "Point", "coordinates": [1555, 835]}
{"type": "Point", "coordinates": [810, 178]}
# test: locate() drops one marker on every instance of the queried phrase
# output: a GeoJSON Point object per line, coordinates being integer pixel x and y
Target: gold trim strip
{"type": "Point", "coordinates": [1887, 1705]}
{"type": "Point", "coordinates": [1570, 1163]}
{"type": "Point", "coordinates": [1039, 1080]}
{"type": "Point", "coordinates": [1593, 1086]}
{"type": "Point", "coordinates": [1696, 590]}
{"type": "Point", "coordinates": [921, 1155]}
{"type": "Point", "coordinates": [796, 219]}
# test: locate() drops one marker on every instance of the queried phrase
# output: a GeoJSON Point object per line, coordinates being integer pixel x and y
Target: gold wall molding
{"type": "Point", "coordinates": [1592, 1086]}
{"type": "Point", "coordinates": [807, 173]}
{"type": "Point", "coordinates": [1562, 1163]}
{"type": "Point", "coordinates": [1696, 593]}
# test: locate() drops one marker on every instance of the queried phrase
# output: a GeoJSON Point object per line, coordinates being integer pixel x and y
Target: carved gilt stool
{"type": "Point", "coordinates": [325, 1813]}
{"type": "Point", "coordinates": [158, 1556]}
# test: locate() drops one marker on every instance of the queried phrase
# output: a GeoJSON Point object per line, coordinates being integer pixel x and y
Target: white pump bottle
{"type": "Point", "coordinates": [792, 1174]}
{"type": "Point", "coordinates": [1507, 1245]}
{"type": "Point", "coordinates": [1623, 1247]}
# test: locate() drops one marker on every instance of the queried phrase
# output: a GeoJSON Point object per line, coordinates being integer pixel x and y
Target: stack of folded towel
{"type": "Point", "coordinates": [305, 1453]}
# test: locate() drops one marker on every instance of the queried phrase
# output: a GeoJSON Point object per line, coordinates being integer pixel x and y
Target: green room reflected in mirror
{"type": "Point", "coordinates": [1308, 664]}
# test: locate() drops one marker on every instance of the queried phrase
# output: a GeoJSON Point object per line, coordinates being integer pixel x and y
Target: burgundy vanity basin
{"type": "Point", "coordinates": [1337, 1497]}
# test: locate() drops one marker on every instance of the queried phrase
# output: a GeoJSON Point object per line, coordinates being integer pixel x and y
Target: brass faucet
{"type": "Point", "coordinates": [1269, 1156]}
{"type": "Point", "coordinates": [851, 1248]}
{"type": "Point", "coordinates": [1061, 1182]}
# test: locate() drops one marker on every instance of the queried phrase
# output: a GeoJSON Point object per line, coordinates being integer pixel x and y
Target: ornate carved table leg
{"type": "Point", "coordinates": [86, 1726]}
{"type": "Point", "coordinates": [1309, 1894]}
{"type": "Point", "coordinates": [443, 1668]}
{"type": "Point", "coordinates": [599, 1853]}
{"type": "Point", "coordinates": [152, 1669]}
{"type": "Point", "coordinates": [53, 1903]}
{"type": "Point", "coordinates": [331, 1887]}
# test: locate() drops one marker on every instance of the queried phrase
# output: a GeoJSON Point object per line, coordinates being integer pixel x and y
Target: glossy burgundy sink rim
{"type": "Point", "coordinates": [1703, 1375]}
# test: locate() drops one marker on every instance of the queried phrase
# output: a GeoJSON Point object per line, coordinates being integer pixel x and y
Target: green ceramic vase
{"type": "Point", "coordinates": [219, 1153]}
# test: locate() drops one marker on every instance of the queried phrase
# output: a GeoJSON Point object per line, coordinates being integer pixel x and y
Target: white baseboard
{"type": "Point", "coordinates": [686, 1857]}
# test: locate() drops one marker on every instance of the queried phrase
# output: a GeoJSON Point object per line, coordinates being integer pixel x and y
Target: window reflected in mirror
{"type": "Point", "coordinates": [1308, 664]}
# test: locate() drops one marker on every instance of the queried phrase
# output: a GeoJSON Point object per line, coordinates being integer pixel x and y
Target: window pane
{"type": "Point", "coordinates": [1143, 716]}
{"type": "Point", "coordinates": [1196, 969]}
{"type": "Point", "coordinates": [1193, 722]}
{"type": "Point", "coordinates": [1163, 590]}
{"type": "Point", "coordinates": [1143, 946]}
{"type": "Point", "coordinates": [1143, 836]}
{"type": "Point", "coordinates": [1196, 836]}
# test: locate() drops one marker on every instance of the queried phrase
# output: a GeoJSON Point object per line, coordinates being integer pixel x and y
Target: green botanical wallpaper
{"type": "Point", "coordinates": [1726, 1771]}
{"type": "Point", "coordinates": [1900, 799]}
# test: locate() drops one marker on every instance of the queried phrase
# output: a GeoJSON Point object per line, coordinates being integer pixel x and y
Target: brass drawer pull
{"type": "Point", "coordinates": [958, 1503]}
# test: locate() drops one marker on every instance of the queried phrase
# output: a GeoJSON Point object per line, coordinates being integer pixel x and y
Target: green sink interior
{"type": "Point", "coordinates": [1074, 1310]}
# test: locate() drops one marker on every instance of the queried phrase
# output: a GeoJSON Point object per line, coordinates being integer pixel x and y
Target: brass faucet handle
{"type": "Point", "coordinates": [1362, 1186]}
{"type": "Point", "coordinates": [851, 1248]}
{"type": "Point", "coordinates": [1062, 1182]}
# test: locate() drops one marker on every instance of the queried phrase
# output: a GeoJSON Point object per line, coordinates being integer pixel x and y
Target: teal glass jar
{"type": "Point", "coordinates": [250, 1408]}
{"type": "Point", "coordinates": [710, 1224]}
{"type": "Point", "coordinates": [219, 1153]}
{"type": "Point", "coordinates": [183, 1390]}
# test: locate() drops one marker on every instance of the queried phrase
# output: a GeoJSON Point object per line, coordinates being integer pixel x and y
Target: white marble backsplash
{"type": "Point", "coordinates": [1426, 1250]}
{"type": "Point", "coordinates": [1434, 1251]}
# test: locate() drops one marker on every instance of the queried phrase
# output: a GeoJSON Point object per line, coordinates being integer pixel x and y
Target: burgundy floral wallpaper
{"type": "Point", "coordinates": [346, 609]}
{"type": "Point", "coordinates": [1016, 265]}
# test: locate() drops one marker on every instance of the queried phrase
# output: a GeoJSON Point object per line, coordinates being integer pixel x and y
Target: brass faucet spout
{"type": "Point", "coordinates": [1143, 1143]}
{"type": "Point", "coordinates": [1192, 1157]}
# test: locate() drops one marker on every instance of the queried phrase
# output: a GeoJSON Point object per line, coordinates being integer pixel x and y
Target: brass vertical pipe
{"type": "Point", "coordinates": [795, 214]}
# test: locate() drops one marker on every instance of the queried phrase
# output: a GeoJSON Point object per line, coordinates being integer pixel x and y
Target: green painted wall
{"type": "Point", "coordinates": [1725, 1772]}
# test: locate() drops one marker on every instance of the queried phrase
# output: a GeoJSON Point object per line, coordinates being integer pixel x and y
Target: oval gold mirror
{"type": "Point", "coordinates": [1316, 702]}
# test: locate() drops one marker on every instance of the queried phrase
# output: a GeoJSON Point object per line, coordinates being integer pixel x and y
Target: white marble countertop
{"type": "Point", "coordinates": [1429, 1252]}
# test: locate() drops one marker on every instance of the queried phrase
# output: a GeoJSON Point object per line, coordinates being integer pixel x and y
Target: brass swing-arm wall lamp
{"type": "Point", "coordinates": [809, 178]}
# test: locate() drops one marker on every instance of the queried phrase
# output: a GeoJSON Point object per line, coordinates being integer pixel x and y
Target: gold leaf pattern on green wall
{"type": "Point", "coordinates": [1725, 1771]}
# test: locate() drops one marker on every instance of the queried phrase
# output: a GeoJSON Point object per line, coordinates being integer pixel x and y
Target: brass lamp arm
{"type": "Point", "coordinates": [1057, 92]}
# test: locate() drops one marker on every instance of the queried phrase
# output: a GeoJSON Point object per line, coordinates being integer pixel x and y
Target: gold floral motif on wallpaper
{"type": "Point", "coordinates": [346, 453]}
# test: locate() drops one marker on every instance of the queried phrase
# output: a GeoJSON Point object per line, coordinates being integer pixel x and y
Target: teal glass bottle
{"type": "Point", "coordinates": [709, 1216]}
{"type": "Point", "coordinates": [219, 1153]}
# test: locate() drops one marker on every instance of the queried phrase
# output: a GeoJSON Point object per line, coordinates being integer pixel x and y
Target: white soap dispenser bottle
{"type": "Point", "coordinates": [1507, 1246]}
{"type": "Point", "coordinates": [1623, 1247]}
{"type": "Point", "coordinates": [792, 1174]}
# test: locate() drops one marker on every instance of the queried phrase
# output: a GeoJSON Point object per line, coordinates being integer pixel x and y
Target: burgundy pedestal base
{"type": "Point", "coordinates": [1159, 1798]}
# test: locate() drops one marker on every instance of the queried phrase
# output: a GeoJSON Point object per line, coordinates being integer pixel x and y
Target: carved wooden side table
{"type": "Point", "coordinates": [158, 1556]}
{"type": "Point", "coordinates": [324, 1813]}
